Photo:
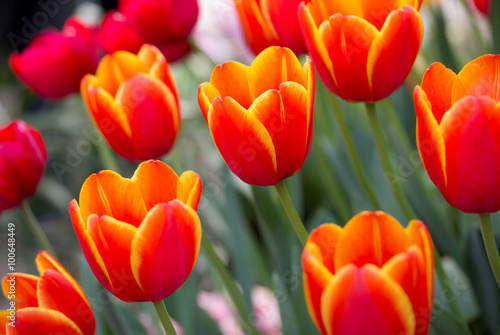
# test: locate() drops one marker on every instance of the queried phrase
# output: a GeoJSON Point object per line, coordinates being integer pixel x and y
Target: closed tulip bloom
{"type": "Point", "coordinates": [164, 23]}
{"type": "Point", "coordinates": [458, 127]}
{"type": "Point", "coordinates": [261, 116]}
{"type": "Point", "coordinates": [133, 100]}
{"type": "Point", "coordinates": [259, 32]}
{"type": "Point", "coordinates": [23, 159]}
{"type": "Point", "coordinates": [363, 49]}
{"type": "Point", "coordinates": [53, 63]}
{"type": "Point", "coordinates": [53, 303]}
{"type": "Point", "coordinates": [117, 33]}
{"type": "Point", "coordinates": [370, 277]}
{"type": "Point", "coordinates": [140, 236]}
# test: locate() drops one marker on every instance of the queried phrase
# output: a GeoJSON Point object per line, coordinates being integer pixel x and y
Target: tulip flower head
{"type": "Point", "coordinates": [23, 159]}
{"type": "Point", "coordinates": [370, 277]}
{"type": "Point", "coordinates": [261, 116]}
{"type": "Point", "coordinates": [133, 100]}
{"type": "Point", "coordinates": [53, 63]}
{"type": "Point", "coordinates": [141, 236]}
{"type": "Point", "coordinates": [53, 303]}
{"type": "Point", "coordinates": [483, 6]}
{"type": "Point", "coordinates": [363, 49]}
{"type": "Point", "coordinates": [458, 127]}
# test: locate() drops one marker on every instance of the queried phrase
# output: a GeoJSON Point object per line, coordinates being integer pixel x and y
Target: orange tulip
{"type": "Point", "coordinates": [363, 49]}
{"type": "Point", "coordinates": [261, 117]}
{"type": "Point", "coordinates": [53, 303]}
{"type": "Point", "coordinates": [458, 127]}
{"type": "Point", "coordinates": [141, 236]}
{"type": "Point", "coordinates": [134, 101]}
{"type": "Point", "coordinates": [259, 33]}
{"type": "Point", "coordinates": [370, 277]}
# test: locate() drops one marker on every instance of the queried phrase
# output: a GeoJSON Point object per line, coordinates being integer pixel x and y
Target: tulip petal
{"type": "Point", "coordinates": [56, 292]}
{"type": "Point", "coordinates": [311, 91]}
{"type": "Point", "coordinates": [189, 188]}
{"type": "Point", "coordinates": [25, 292]}
{"type": "Point", "coordinates": [107, 193]}
{"type": "Point", "coordinates": [243, 142]}
{"type": "Point", "coordinates": [231, 80]}
{"type": "Point", "coordinates": [348, 40]}
{"type": "Point", "coordinates": [117, 33]}
{"type": "Point", "coordinates": [165, 249]}
{"type": "Point", "coordinates": [113, 240]}
{"type": "Point", "coordinates": [206, 95]}
{"type": "Point", "coordinates": [370, 238]}
{"type": "Point", "coordinates": [41, 321]}
{"type": "Point", "coordinates": [88, 247]}
{"type": "Point", "coordinates": [45, 261]}
{"type": "Point", "coordinates": [116, 68]}
{"type": "Point", "coordinates": [317, 48]}
{"type": "Point", "coordinates": [274, 66]}
{"type": "Point", "coordinates": [479, 77]}
{"type": "Point", "coordinates": [376, 11]}
{"type": "Point", "coordinates": [430, 141]}
{"type": "Point", "coordinates": [156, 181]}
{"type": "Point", "coordinates": [152, 111]}
{"type": "Point", "coordinates": [390, 60]}
{"type": "Point", "coordinates": [410, 272]}
{"type": "Point", "coordinates": [326, 237]}
{"type": "Point", "coordinates": [470, 131]}
{"type": "Point", "coordinates": [420, 236]}
{"type": "Point", "coordinates": [437, 84]}
{"type": "Point", "coordinates": [366, 301]}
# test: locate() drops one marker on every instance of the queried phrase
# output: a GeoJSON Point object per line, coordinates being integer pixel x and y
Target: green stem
{"type": "Point", "coordinates": [446, 285]}
{"type": "Point", "coordinates": [107, 157]}
{"type": "Point", "coordinates": [332, 184]}
{"type": "Point", "coordinates": [490, 245]}
{"type": "Point", "coordinates": [386, 163]}
{"type": "Point", "coordinates": [164, 317]}
{"type": "Point", "coordinates": [36, 228]}
{"type": "Point", "coordinates": [232, 290]}
{"type": "Point", "coordinates": [351, 151]}
{"type": "Point", "coordinates": [290, 210]}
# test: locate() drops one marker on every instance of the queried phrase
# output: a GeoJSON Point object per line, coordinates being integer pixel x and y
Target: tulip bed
{"type": "Point", "coordinates": [251, 167]}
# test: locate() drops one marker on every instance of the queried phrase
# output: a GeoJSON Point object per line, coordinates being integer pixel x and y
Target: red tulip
{"type": "Point", "coordinates": [141, 236]}
{"type": "Point", "coordinates": [53, 63]}
{"type": "Point", "coordinates": [370, 277]}
{"type": "Point", "coordinates": [261, 117]}
{"type": "Point", "coordinates": [483, 6]}
{"type": "Point", "coordinates": [53, 303]}
{"type": "Point", "coordinates": [117, 33]}
{"type": "Point", "coordinates": [458, 127]}
{"type": "Point", "coordinates": [133, 100]}
{"type": "Point", "coordinates": [363, 50]}
{"type": "Point", "coordinates": [259, 33]}
{"type": "Point", "coordinates": [23, 161]}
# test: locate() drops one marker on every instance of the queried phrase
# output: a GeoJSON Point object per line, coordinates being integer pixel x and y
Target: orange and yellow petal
{"type": "Point", "coordinates": [88, 246]}
{"type": "Point", "coordinates": [25, 289]}
{"type": "Point", "coordinates": [153, 115]}
{"type": "Point", "coordinates": [430, 141]}
{"type": "Point", "coordinates": [243, 142]}
{"type": "Point", "coordinates": [390, 60]}
{"type": "Point", "coordinates": [479, 77]}
{"type": "Point", "coordinates": [326, 237]}
{"type": "Point", "coordinates": [165, 249]}
{"type": "Point", "coordinates": [437, 84]}
{"type": "Point", "coordinates": [348, 40]}
{"type": "Point", "coordinates": [41, 321]}
{"type": "Point", "coordinates": [56, 292]}
{"type": "Point", "coordinates": [316, 278]}
{"type": "Point", "coordinates": [470, 132]}
{"type": "Point", "coordinates": [107, 193]}
{"type": "Point", "coordinates": [149, 176]}
{"type": "Point", "coordinates": [366, 301]}
{"type": "Point", "coordinates": [274, 66]}
{"type": "Point", "coordinates": [231, 80]}
{"type": "Point", "coordinates": [45, 261]}
{"type": "Point", "coordinates": [113, 240]}
{"type": "Point", "coordinates": [206, 95]}
{"type": "Point", "coordinates": [409, 271]}
{"type": "Point", "coordinates": [370, 238]}
{"type": "Point", "coordinates": [189, 188]}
